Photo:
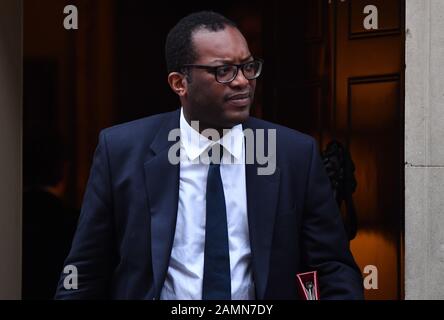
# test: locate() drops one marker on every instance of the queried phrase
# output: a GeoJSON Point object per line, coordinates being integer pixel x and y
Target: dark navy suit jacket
{"type": "Point", "coordinates": [125, 233]}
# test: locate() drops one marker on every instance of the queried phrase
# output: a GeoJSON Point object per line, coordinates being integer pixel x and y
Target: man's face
{"type": "Point", "coordinates": [214, 104]}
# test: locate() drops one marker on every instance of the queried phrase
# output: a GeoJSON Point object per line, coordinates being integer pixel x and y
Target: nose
{"type": "Point", "coordinates": [240, 80]}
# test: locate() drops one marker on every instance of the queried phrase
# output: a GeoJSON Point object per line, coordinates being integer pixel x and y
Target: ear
{"type": "Point", "coordinates": [178, 83]}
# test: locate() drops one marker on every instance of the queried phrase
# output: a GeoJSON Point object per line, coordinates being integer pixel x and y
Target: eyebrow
{"type": "Point", "coordinates": [231, 61]}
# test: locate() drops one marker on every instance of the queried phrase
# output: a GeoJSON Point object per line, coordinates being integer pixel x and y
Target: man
{"type": "Point", "coordinates": [48, 224]}
{"type": "Point", "coordinates": [153, 228]}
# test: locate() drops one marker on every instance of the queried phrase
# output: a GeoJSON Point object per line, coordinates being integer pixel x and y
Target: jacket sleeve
{"type": "Point", "coordinates": [325, 246]}
{"type": "Point", "coordinates": [91, 261]}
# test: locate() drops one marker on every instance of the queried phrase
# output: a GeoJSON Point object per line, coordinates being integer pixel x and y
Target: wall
{"type": "Point", "coordinates": [424, 150]}
{"type": "Point", "coordinates": [10, 147]}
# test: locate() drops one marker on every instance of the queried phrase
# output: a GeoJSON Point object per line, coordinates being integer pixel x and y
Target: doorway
{"type": "Point", "coordinates": [326, 73]}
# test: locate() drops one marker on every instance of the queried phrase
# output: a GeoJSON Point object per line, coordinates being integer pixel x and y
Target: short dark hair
{"type": "Point", "coordinates": [179, 47]}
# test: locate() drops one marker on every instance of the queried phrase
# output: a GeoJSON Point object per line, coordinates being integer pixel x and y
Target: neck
{"type": "Point", "coordinates": [204, 128]}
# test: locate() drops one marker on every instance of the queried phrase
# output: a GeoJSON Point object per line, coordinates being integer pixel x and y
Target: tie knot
{"type": "Point", "coordinates": [215, 154]}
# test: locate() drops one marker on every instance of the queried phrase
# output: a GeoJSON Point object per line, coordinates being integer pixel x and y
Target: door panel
{"type": "Point", "coordinates": [389, 17]}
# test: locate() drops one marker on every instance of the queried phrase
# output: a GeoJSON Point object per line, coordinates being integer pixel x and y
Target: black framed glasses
{"type": "Point", "coordinates": [228, 72]}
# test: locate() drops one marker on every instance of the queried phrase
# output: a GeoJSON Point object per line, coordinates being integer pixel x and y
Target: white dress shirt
{"type": "Point", "coordinates": [185, 272]}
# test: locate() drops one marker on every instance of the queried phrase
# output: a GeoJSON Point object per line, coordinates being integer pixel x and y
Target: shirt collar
{"type": "Point", "coordinates": [195, 144]}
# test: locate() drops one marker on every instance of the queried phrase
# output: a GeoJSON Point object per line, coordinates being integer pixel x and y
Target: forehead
{"type": "Point", "coordinates": [228, 44]}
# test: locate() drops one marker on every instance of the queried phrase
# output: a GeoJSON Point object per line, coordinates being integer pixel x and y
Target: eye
{"type": "Point", "coordinates": [250, 66]}
{"type": "Point", "coordinates": [224, 70]}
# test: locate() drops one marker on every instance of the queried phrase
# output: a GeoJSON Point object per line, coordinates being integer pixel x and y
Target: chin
{"type": "Point", "coordinates": [235, 117]}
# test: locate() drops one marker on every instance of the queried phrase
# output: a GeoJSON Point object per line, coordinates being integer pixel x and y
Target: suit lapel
{"type": "Point", "coordinates": [262, 197]}
{"type": "Point", "coordinates": [162, 181]}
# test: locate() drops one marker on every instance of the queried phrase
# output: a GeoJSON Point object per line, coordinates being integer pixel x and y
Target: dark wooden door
{"type": "Point", "coordinates": [338, 73]}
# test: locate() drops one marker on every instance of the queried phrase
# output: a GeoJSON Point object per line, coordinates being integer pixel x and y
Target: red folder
{"type": "Point", "coordinates": [308, 285]}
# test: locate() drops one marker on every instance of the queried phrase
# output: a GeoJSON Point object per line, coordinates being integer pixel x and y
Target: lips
{"type": "Point", "coordinates": [239, 96]}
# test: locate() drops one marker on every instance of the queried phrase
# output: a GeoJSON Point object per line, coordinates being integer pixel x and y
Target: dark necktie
{"type": "Point", "coordinates": [216, 279]}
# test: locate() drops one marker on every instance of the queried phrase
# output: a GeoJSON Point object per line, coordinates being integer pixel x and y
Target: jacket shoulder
{"type": "Point", "coordinates": [144, 129]}
{"type": "Point", "coordinates": [284, 134]}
